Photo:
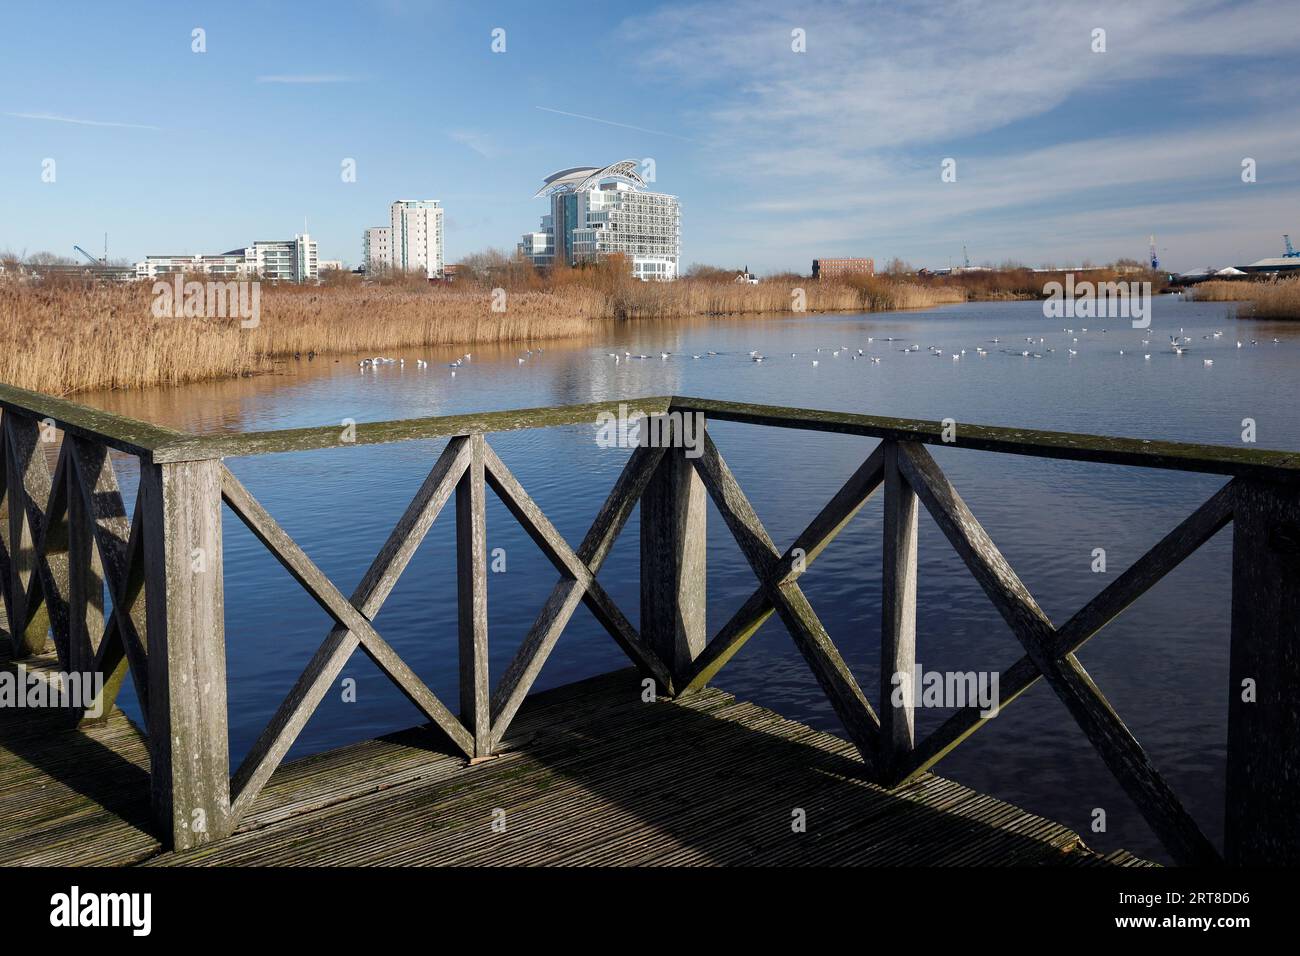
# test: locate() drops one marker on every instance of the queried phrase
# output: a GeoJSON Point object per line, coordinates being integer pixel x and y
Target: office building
{"type": "Point", "coordinates": [540, 246]}
{"type": "Point", "coordinates": [231, 265]}
{"type": "Point", "coordinates": [280, 260]}
{"type": "Point", "coordinates": [838, 268]}
{"type": "Point", "coordinates": [289, 260]}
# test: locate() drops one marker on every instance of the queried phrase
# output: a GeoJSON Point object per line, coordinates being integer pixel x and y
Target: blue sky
{"type": "Point", "coordinates": [1063, 154]}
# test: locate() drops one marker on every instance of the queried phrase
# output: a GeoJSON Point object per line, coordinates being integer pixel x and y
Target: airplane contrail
{"type": "Point", "coordinates": [597, 119]}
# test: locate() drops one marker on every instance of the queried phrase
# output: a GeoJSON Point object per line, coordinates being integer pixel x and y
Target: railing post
{"type": "Point", "coordinates": [189, 751]}
{"type": "Point", "coordinates": [897, 618]}
{"type": "Point", "coordinates": [471, 599]}
{"type": "Point", "coordinates": [673, 517]}
{"type": "Point", "coordinates": [1263, 777]}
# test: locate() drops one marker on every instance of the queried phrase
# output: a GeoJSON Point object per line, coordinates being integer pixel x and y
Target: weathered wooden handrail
{"type": "Point", "coordinates": [243, 444]}
{"type": "Point", "coordinates": [128, 435]}
{"type": "Point", "coordinates": [1110, 450]}
{"type": "Point", "coordinates": [163, 445]}
{"type": "Point", "coordinates": [67, 537]}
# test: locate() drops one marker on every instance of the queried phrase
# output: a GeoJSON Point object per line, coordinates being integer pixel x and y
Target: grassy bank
{"type": "Point", "coordinates": [1258, 300]}
{"type": "Point", "coordinates": [68, 336]}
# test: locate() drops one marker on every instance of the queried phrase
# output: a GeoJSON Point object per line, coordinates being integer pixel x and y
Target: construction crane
{"type": "Point", "coordinates": [92, 259]}
{"type": "Point", "coordinates": [1290, 252]}
{"type": "Point", "coordinates": [1155, 260]}
{"type": "Point", "coordinates": [102, 261]}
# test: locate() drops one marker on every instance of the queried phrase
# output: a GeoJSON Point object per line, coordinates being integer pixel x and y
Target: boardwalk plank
{"type": "Point", "coordinates": [588, 774]}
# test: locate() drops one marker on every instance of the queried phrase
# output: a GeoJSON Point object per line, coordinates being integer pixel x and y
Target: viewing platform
{"type": "Point", "coordinates": [653, 765]}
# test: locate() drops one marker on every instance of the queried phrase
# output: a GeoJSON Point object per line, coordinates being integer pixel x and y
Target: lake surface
{"type": "Point", "coordinates": [1163, 663]}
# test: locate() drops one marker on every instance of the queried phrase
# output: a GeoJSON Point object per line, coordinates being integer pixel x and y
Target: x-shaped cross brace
{"type": "Point", "coordinates": [353, 617]}
{"type": "Point", "coordinates": [779, 590]}
{"type": "Point", "coordinates": [1050, 652]}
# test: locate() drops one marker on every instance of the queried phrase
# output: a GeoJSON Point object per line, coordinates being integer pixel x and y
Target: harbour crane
{"type": "Point", "coordinates": [102, 261]}
{"type": "Point", "coordinates": [1155, 260]}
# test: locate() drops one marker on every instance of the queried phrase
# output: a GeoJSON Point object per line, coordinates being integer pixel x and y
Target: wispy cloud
{"type": "Point", "coordinates": [476, 140]}
{"type": "Point", "coordinates": [307, 79]}
{"type": "Point", "coordinates": [597, 119]}
{"type": "Point", "coordinates": [840, 145]}
{"type": "Point", "coordinates": [889, 75]}
{"type": "Point", "coordinates": [78, 121]}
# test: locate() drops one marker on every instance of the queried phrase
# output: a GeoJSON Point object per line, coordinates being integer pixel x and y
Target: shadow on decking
{"type": "Point", "coordinates": [53, 745]}
{"type": "Point", "coordinates": [61, 786]}
{"type": "Point", "coordinates": [589, 774]}
{"type": "Point", "coordinates": [722, 782]}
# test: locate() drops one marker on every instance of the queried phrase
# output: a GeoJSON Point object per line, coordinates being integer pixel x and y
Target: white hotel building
{"type": "Point", "coordinates": [411, 242]}
{"type": "Point", "coordinates": [599, 211]}
{"type": "Point", "coordinates": [283, 260]}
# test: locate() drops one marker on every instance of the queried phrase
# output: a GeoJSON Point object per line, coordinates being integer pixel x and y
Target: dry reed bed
{"type": "Point", "coordinates": [1261, 300]}
{"type": "Point", "coordinates": [67, 337]}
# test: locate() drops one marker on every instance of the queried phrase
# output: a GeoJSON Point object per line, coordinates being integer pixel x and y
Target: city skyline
{"type": "Point", "coordinates": [777, 156]}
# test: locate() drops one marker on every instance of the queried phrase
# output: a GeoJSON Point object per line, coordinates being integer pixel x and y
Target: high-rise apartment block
{"type": "Point", "coordinates": [377, 250]}
{"type": "Point", "coordinates": [411, 242]}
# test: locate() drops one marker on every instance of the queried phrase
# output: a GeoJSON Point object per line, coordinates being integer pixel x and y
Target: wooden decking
{"type": "Point", "coordinates": [589, 774]}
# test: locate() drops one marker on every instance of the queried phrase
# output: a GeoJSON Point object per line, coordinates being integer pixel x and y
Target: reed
{"type": "Point", "coordinates": [1258, 300]}
{"type": "Point", "coordinates": [69, 336]}
{"type": "Point", "coordinates": [1221, 291]}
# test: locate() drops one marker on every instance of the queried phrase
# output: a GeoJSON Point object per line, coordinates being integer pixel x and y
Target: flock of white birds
{"type": "Point", "coordinates": [377, 362]}
{"type": "Point", "coordinates": [1178, 344]}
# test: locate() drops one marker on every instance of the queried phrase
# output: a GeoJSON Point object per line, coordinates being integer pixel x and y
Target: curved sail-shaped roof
{"type": "Point", "coordinates": [577, 178]}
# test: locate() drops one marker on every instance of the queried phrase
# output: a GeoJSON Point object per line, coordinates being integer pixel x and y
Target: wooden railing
{"type": "Point", "coordinates": [68, 537]}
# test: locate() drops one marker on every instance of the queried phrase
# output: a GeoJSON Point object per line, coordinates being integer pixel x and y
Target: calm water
{"type": "Point", "coordinates": [1163, 663]}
